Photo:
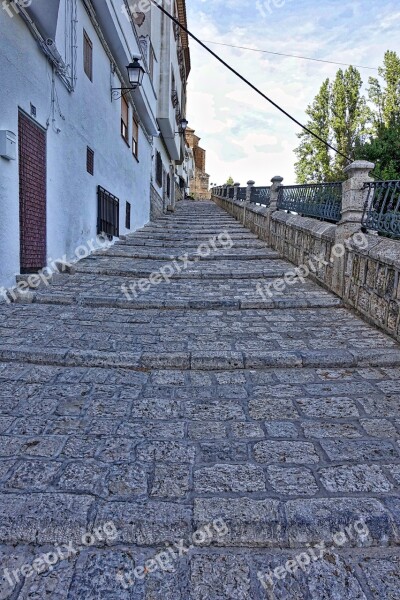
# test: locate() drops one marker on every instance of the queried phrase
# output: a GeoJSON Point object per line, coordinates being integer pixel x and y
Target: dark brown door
{"type": "Point", "coordinates": [32, 194]}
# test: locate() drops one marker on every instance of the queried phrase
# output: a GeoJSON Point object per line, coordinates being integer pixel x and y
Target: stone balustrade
{"type": "Point", "coordinates": [358, 265]}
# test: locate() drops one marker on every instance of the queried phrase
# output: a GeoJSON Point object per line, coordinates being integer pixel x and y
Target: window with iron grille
{"type": "Point", "coordinates": [87, 55]}
{"type": "Point", "coordinates": [135, 138]}
{"type": "Point", "coordinates": [107, 213]}
{"type": "Point", "coordinates": [90, 161]}
{"type": "Point", "coordinates": [124, 119]}
{"type": "Point", "coordinates": [159, 169]}
{"type": "Point", "coordinates": [128, 215]}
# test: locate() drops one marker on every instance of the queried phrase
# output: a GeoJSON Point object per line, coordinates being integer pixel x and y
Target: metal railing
{"type": "Point", "coordinates": [382, 208]}
{"type": "Point", "coordinates": [107, 213]}
{"type": "Point", "coordinates": [241, 194]}
{"type": "Point", "coordinates": [321, 201]}
{"type": "Point", "coordinates": [261, 195]}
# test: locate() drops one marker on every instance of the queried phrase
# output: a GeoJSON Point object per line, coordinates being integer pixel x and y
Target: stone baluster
{"type": "Point", "coordinates": [250, 185]}
{"type": "Point", "coordinates": [274, 194]}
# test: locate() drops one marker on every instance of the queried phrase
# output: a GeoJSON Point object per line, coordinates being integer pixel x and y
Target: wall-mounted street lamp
{"type": "Point", "coordinates": [135, 75]}
{"type": "Point", "coordinates": [183, 125]}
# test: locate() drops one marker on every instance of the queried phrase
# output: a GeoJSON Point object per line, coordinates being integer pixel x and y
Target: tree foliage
{"type": "Point", "coordinates": [229, 181]}
{"type": "Point", "coordinates": [359, 127]}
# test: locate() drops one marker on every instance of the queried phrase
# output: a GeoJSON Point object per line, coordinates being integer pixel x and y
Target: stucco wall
{"type": "Point", "coordinates": [89, 118]}
{"type": "Point", "coordinates": [371, 271]}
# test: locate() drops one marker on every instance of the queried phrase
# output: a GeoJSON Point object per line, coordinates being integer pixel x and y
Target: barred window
{"type": "Point", "coordinates": [128, 216]}
{"type": "Point", "coordinates": [159, 169]}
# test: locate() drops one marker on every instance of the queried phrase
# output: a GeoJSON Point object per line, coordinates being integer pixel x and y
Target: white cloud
{"type": "Point", "coordinates": [245, 136]}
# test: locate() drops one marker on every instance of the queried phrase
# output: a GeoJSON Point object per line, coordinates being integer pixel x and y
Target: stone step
{"type": "Point", "coordinates": [203, 361]}
{"type": "Point", "coordinates": [142, 252]}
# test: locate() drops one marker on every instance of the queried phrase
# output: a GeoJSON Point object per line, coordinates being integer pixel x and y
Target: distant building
{"type": "Point", "coordinates": [200, 183]}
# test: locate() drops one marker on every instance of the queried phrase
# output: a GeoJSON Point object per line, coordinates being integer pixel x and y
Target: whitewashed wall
{"type": "Point", "coordinates": [89, 118]}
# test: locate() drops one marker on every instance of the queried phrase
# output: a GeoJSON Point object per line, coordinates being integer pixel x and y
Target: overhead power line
{"type": "Point", "coordinates": [253, 87]}
{"type": "Point", "coordinates": [320, 60]}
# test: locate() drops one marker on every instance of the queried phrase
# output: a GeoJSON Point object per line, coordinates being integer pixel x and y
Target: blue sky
{"type": "Point", "coordinates": [244, 136]}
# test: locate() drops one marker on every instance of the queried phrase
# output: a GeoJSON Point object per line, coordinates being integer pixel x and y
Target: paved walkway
{"type": "Point", "coordinates": [261, 433]}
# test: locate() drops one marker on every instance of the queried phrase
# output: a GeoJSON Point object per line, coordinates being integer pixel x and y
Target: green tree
{"type": "Point", "coordinates": [314, 160]}
{"type": "Point", "coordinates": [230, 181]}
{"type": "Point", "coordinates": [349, 116]}
{"type": "Point", "coordinates": [383, 149]}
{"type": "Point", "coordinates": [386, 100]}
{"type": "Point", "coordinates": [382, 145]}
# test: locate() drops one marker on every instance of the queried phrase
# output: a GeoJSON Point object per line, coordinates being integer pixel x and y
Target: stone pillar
{"type": "Point", "coordinates": [250, 184]}
{"type": "Point", "coordinates": [276, 185]}
{"type": "Point", "coordinates": [353, 200]}
{"type": "Point", "coordinates": [353, 197]}
{"type": "Point", "coordinates": [236, 186]}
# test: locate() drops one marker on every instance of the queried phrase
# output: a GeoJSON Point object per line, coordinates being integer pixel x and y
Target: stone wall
{"type": "Point", "coordinates": [367, 278]}
{"type": "Point", "coordinates": [156, 204]}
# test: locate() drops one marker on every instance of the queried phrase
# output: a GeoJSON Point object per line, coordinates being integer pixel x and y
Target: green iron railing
{"type": "Point", "coordinates": [321, 201]}
{"type": "Point", "coordinates": [382, 208]}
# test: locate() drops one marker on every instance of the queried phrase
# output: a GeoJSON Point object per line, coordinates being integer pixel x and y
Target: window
{"type": "Point", "coordinates": [159, 170]}
{"type": "Point", "coordinates": [135, 138]}
{"type": "Point", "coordinates": [168, 186]}
{"type": "Point", "coordinates": [128, 216]}
{"type": "Point", "coordinates": [152, 59]}
{"type": "Point", "coordinates": [90, 161]}
{"type": "Point", "coordinates": [124, 119]}
{"type": "Point", "coordinates": [87, 55]}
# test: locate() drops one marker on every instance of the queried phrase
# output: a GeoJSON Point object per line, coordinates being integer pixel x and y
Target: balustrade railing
{"type": "Point", "coordinates": [321, 201]}
{"type": "Point", "coordinates": [241, 194]}
{"type": "Point", "coordinates": [260, 195]}
{"type": "Point", "coordinates": [382, 208]}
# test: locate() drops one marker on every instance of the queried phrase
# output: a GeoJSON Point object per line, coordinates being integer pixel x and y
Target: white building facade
{"type": "Point", "coordinates": [75, 159]}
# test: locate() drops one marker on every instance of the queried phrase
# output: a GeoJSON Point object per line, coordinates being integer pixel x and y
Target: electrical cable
{"type": "Point", "coordinates": [329, 62]}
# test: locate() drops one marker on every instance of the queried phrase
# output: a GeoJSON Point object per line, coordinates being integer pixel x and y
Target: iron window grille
{"type": "Point", "coordinates": [128, 216]}
{"type": "Point", "coordinates": [107, 213]}
{"type": "Point", "coordinates": [159, 169]}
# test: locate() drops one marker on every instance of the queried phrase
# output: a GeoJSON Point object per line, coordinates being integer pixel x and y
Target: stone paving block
{"type": "Point", "coordinates": [355, 478]}
{"type": "Point", "coordinates": [219, 577]}
{"type": "Point", "coordinates": [33, 475]}
{"type": "Point", "coordinates": [175, 452]}
{"type": "Point", "coordinates": [229, 478]}
{"type": "Point", "coordinates": [171, 481]}
{"type": "Point", "coordinates": [284, 576]}
{"type": "Point", "coordinates": [294, 481]}
{"type": "Point", "coordinates": [272, 408]}
{"type": "Point", "coordinates": [315, 520]}
{"type": "Point", "coordinates": [359, 451]}
{"type": "Point", "coordinates": [281, 429]}
{"type": "Point", "coordinates": [277, 451]}
{"type": "Point", "coordinates": [214, 430]}
{"type": "Point", "coordinates": [126, 481]}
{"type": "Point", "coordinates": [147, 523]}
{"type": "Point", "coordinates": [249, 523]}
{"type": "Point", "coordinates": [43, 518]}
{"type": "Point", "coordinates": [382, 576]}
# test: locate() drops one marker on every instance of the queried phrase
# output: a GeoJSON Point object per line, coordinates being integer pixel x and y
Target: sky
{"type": "Point", "coordinates": [245, 137]}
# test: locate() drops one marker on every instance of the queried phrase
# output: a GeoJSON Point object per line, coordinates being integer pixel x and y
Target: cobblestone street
{"type": "Point", "coordinates": [268, 426]}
